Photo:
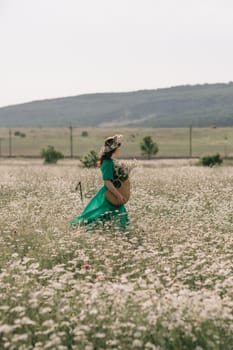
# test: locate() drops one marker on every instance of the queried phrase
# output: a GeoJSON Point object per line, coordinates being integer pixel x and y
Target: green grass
{"type": "Point", "coordinates": [173, 142]}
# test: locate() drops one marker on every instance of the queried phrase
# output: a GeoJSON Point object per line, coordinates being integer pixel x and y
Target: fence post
{"type": "Point", "coordinates": [71, 141]}
{"type": "Point", "coordinates": [10, 143]}
{"type": "Point", "coordinates": [190, 142]}
{"type": "Point", "coordinates": [1, 147]}
{"type": "Point", "coordinates": [225, 146]}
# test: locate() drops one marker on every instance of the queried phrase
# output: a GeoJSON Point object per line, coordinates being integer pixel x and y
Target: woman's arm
{"type": "Point", "coordinates": [114, 190]}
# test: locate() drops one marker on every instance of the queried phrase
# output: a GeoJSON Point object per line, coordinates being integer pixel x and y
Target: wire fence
{"type": "Point", "coordinates": [77, 142]}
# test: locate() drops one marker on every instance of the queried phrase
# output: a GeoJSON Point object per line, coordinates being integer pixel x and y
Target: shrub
{"type": "Point", "coordinates": [19, 133]}
{"type": "Point", "coordinates": [90, 160]}
{"type": "Point", "coordinates": [50, 155]}
{"type": "Point", "coordinates": [132, 136]}
{"type": "Point", "coordinates": [84, 134]}
{"type": "Point", "coordinates": [211, 160]}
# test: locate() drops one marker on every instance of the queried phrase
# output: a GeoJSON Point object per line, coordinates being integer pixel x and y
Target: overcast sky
{"type": "Point", "coordinates": [56, 48]}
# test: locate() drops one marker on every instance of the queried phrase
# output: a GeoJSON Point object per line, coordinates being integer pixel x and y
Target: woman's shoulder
{"type": "Point", "coordinates": [107, 162]}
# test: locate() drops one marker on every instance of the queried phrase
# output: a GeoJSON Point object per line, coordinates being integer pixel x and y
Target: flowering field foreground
{"type": "Point", "coordinates": [165, 284]}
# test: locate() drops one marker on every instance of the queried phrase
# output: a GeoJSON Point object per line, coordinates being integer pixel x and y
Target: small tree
{"type": "Point", "coordinates": [149, 147]}
{"type": "Point", "coordinates": [50, 155]}
{"type": "Point", "coordinates": [211, 160]}
{"type": "Point", "coordinates": [90, 160]}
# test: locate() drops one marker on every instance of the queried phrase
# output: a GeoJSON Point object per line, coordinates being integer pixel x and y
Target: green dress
{"type": "Point", "coordinates": [99, 209]}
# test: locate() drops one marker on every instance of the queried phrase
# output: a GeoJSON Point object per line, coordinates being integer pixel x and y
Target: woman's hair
{"type": "Point", "coordinates": [110, 146]}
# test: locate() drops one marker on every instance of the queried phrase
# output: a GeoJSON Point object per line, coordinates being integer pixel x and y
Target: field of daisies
{"type": "Point", "coordinates": [164, 284]}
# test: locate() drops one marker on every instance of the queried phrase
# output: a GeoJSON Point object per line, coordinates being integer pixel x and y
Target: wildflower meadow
{"type": "Point", "coordinates": [164, 284]}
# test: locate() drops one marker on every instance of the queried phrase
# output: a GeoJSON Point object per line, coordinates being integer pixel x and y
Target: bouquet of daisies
{"type": "Point", "coordinates": [123, 169]}
{"type": "Point", "coordinates": [121, 181]}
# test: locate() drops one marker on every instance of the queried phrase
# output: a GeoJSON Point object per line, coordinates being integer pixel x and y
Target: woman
{"type": "Point", "coordinates": [99, 209]}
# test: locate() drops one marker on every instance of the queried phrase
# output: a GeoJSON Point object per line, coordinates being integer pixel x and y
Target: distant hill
{"type": "Point", "coordinates": [180, 106]}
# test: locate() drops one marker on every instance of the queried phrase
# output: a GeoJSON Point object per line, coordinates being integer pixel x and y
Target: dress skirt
{"type": "Point", "coordinates": [99, 210]}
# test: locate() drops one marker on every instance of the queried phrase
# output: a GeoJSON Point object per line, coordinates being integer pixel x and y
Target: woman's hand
{"type": "Point", "coordinates": [120, 198]}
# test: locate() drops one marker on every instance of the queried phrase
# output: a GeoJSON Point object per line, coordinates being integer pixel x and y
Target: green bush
{"type": "Point", "coordinates": [90, 160]}
{"type": "Point", "coordinates": [19, 133]}
{"type": "Point", "coordinates": [84, 134]}
{"type": "Point", "coordinates": [211, 160]}
{"type": "Point", "coordinates": [50, 155]}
